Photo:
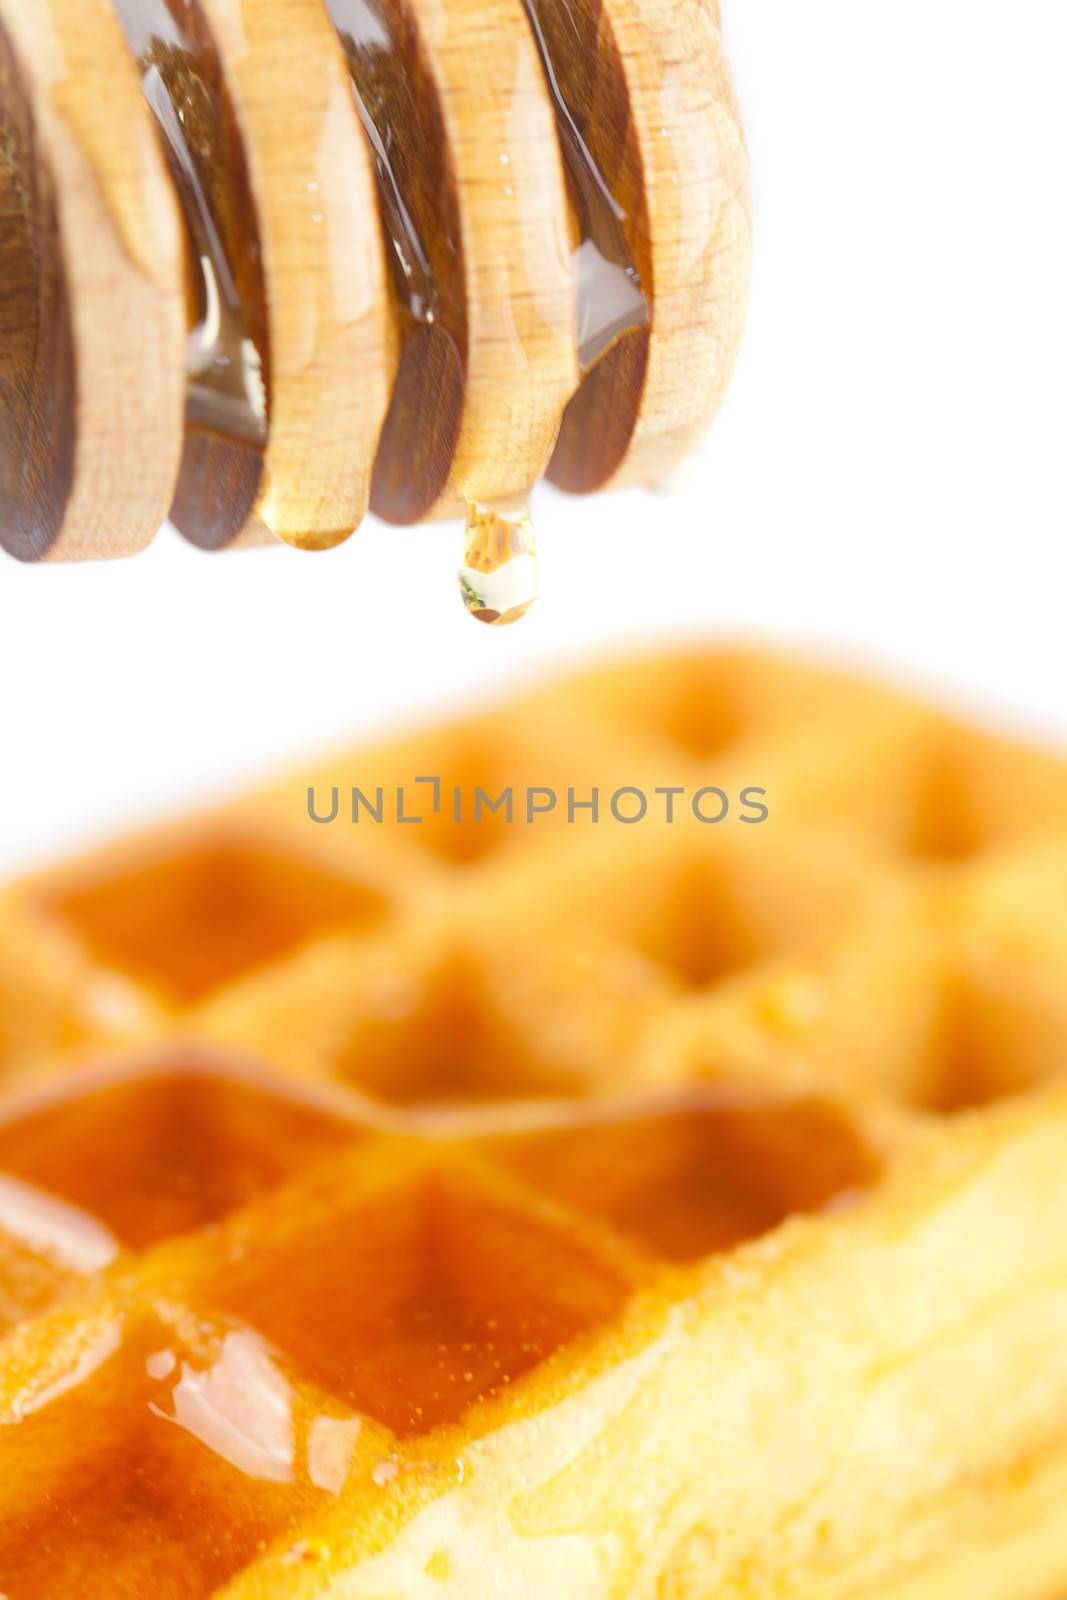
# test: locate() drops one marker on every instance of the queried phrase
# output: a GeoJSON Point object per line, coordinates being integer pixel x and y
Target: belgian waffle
{"type": "Point", "coordinates": [551, 1204]}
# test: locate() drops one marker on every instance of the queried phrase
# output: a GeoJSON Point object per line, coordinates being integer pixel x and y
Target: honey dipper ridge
{"type": "Point", "coordinates": [270, 262]}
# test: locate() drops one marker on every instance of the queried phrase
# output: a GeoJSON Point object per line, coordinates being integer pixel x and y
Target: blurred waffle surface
{"type": "Point", "coordinates": [525, 1200]}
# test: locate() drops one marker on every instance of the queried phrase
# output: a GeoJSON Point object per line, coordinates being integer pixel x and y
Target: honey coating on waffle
{"type": "Point", "coordinates": [527, 1203]}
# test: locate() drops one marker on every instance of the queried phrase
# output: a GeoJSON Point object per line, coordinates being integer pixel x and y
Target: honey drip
{"type": "Point", "coordinates": [498, 579]}
{"type": "Point", "coordinates": [418, 208]}
{"type": "Point", "coordinates": [611, 298]}
{"type": "Point", "coordinates": [227, 349]}
{"type": "Point", "coordinates": [226, 392]}
{"type": "Point", "coordinates": [365, 30]}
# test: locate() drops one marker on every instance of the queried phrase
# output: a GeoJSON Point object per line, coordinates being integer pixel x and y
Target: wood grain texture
{"type": "Point", "coordinates": [420, 372]}
{"type": "Point", "coordinates": [688, 123]}
{"type": "Point", "coordinates": [653, 95]}
{"type": "Point", "coordinates": [36, 349]}
{"type": "Point", "coordinates": [522, 364]}
{"type": "Point", "coordinates": [322, 263]}
{"type": "Point", "coordinates": [610, 229]}
{"type": "Point", "coordinates": [228, 354]}
{"type": "Point", "coordinates": [92, 326]}
{"type": "Point", "coordinates": [418, 203]}
{"type": "Point", "coordinates": [478, 407]}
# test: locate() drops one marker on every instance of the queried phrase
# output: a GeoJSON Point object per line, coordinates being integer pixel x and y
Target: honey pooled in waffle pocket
{"type": "Point", "coordinates": [591, 1208]}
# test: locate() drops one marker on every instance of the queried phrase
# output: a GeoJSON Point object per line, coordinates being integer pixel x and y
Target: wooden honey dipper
{"type": "Point", "coordinates": [264, 263]}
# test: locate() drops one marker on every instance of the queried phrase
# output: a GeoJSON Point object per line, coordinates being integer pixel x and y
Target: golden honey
{"type": "Point", "coordinates": [185, 922]}
{"type": "Point", "coordinates": [416, 1304]}
{"type": "Point", "coordinates": [163, 1472]}
{"type": "Point", "coordinates": [228, 352]}
{"type": "Point", "coordinates": [167, 1151]}
{"type": "Point", "coordinates": [547, 1182]}
{"type": "Point", "coordinates": [499, 575]}
{"type": "Point", "coordinates": [177, 1445]}
{"type": "Point", "coordinates": [699, 1179]}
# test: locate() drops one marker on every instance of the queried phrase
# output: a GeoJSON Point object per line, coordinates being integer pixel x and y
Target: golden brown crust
{"type": "Point", "coordinates": [656, 1210]}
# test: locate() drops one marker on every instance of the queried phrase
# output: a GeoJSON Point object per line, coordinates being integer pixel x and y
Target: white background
{"type": "Point", "coordinates": [887, 478]}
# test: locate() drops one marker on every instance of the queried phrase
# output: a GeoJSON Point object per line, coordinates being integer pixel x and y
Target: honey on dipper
{"type": "Point", "coordinates": [404, 255]}
{"type": "Point", "coordinates": [499, 576]}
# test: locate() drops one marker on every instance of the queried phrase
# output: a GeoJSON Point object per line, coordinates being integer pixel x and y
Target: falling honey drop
{"type": "Point", "coordinates": [499, 576]}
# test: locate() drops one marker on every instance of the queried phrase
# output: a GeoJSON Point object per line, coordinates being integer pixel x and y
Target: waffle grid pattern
{"type": "Point", "coordinates": [357, 1180]}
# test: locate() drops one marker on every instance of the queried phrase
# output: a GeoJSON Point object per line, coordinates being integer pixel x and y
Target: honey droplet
{"type": "Point", "coordinates": [499, 577]}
